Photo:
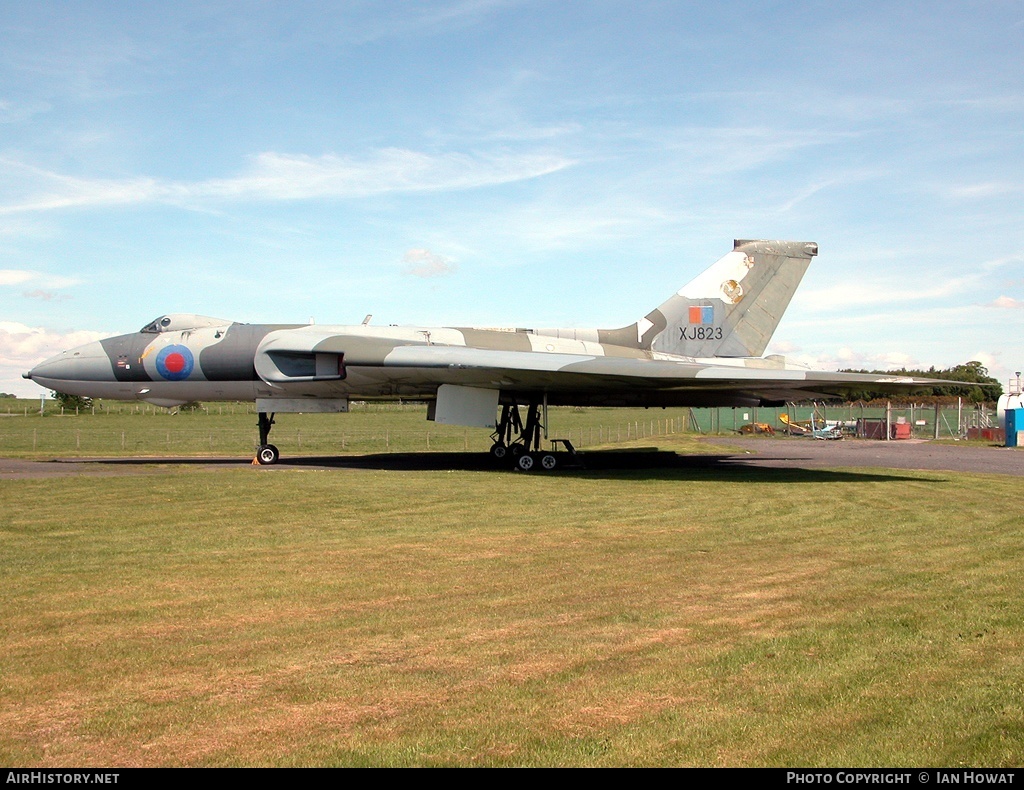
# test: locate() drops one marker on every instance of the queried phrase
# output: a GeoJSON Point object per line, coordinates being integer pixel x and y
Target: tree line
{"type": "Point", "coordinates": [978, 386]}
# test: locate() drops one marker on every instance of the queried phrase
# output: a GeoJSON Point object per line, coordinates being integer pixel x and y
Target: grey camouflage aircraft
{"type": "Point", "coordinates": [702, 347]}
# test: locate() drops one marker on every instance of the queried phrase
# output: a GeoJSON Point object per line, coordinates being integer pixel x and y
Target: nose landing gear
{"type": "Point", "coordinates": [266, 453]}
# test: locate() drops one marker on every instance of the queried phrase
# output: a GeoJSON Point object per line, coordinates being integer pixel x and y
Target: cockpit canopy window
{"type": "Point", "coordinates": [177, 322]}
{"type": "Point", "coordinates": [157, 326]}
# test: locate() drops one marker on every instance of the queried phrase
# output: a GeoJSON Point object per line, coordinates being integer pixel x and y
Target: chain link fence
{"type": "Point", "coordinates": [230, 428]}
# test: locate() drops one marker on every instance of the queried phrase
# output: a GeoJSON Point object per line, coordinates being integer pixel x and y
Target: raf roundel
{"type": "Point", "coordinates": [175, 363]}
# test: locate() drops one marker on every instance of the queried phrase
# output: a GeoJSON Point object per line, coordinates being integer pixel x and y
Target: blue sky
{"type": "Point", "coordinates": [518, 163]}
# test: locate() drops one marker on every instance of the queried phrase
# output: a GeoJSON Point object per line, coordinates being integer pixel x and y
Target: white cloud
{"type": "Point", "coordinates": [275, 176]}
{"type": "Point", "coordinates": [991, 362]}
{"type": "Point", "coordinates": [23, 346]}
{"type": "Point", "coordinates": [1007, 302]}
{"type": "Point", "coordinates": [15, 276]}
{"type": "Point", "coordinates": [25, 276]}
{"type": "Point", "coordinates": [424, 263]}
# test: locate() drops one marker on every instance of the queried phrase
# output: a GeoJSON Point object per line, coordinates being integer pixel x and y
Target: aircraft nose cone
{"type": "Point", "coordinates": [85, 363]}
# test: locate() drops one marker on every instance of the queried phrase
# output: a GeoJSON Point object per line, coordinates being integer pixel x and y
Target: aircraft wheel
{"type": "Point", "coordinates": [267, 454]}
{"type": "Point", "coordinates": [499, 451]}
{"type": "Point", "coordinates": [548, 461]}
{"type": "Point", "coordinates": [525, 462]}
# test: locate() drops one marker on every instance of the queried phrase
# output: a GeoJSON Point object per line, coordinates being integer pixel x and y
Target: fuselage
{"type": "Point", "coordinates": [182, 358]}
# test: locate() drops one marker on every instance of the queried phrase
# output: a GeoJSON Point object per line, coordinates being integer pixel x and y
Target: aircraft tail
{"type": "Point", "coordinates": [730, 310]}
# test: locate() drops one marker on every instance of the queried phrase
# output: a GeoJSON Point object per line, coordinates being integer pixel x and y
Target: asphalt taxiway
{"type": "Point", "coordinates": [741, 452]}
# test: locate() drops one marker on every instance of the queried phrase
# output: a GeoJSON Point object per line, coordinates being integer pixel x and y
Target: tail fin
{"type": "Point", "coordinates": [731, 310]}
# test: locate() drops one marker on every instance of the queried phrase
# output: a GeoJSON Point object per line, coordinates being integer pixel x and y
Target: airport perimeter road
{"type": "Point", "coordinates": [903, 454]}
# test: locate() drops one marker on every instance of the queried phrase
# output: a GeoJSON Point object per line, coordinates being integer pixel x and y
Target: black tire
{"type": "Point", "coordinates": [524, 463]}
{"type": "Point", "coordinates": [548, 461]}
{"type": "Point", "coordinates": [267, 454]}
{"type": "Point", "coordinates": [499, 451]}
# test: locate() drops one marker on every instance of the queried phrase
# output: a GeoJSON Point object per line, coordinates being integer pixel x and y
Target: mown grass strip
{"type": "Point", "coordinates": [364, 617]}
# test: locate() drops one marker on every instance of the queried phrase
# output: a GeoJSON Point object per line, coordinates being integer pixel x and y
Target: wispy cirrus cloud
{"type": "Point", "coordinates": [719, 150]}
{"type": "Point", "coordinates": [980, 191]}
{"type": "Point", "coordinates": [903, 288]}
{"type": "Point", "coordinates": [274, 176]}
{"type": "Point", "coordinates": [879, 292]}
{"type": "Point", "coordinates": [430, 19]}
{"type": "Point", "coordinates": [18, 112]}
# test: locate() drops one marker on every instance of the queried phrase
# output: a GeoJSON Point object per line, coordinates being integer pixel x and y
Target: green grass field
{"type": "Point", "coordinates": [713, 616]}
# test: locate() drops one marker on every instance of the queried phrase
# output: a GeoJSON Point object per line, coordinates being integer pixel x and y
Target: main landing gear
{"type": "Point", "coordinates": [519, 442]}
{"type": "Point", "coordinates": [515, 441]}
{"type": "Point", "coordinates": [266, 453]}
